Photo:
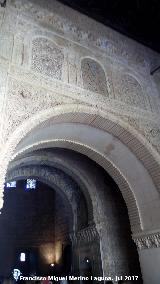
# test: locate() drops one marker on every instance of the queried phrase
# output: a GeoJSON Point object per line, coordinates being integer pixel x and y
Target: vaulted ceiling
{"type": "Point", "coordinates": [138, 19]}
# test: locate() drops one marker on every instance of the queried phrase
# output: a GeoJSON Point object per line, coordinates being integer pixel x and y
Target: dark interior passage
{"type": "Point", "coordinates": [46, 230]}
{"type": "Point", "coordinates": [35, 222]}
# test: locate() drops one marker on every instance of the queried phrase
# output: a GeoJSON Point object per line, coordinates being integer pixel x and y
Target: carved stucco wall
{"type": "Point", "coordinates": [65, 38]}
{"type": "Point", "coordinates": [32, 56]}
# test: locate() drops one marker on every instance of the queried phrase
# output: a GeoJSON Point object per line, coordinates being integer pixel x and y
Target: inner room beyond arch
{"type": "Point", "coordinates": [70, 237]}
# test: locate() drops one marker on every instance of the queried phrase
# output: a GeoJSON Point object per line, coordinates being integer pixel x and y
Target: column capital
{"type": "Point", "coordinates": [85, 235]}
{"type": "Point", "coordinates": [147, 240]}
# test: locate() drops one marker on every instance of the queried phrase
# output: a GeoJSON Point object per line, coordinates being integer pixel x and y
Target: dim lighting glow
{"type": "Point", "coordinates": [11, 184]}
{"type": "Point", "coordinates": [22, 257]}
{"type": "Point", "coordinates": [47, 252]}
{"type": "Point", "coordinates": [52, 264]}
{"type": "Point", "coordinates": [31, 184]}
{"type": "Point", "coordinates": [86, 260]}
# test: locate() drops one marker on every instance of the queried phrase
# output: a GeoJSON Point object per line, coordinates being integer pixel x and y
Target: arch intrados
{"type": "Point", "coordinates": [142, 149]}
{"type": "Point", "coordinates": [49, 159]}
{"type": "Point", "coordinates": [38, 177]}
{"type": "Point", "coordinates": [100, 120]}
{"type": "Point", "coordinates": [43, 175]}
{"type": "Point", "coordinates": [127, 193]}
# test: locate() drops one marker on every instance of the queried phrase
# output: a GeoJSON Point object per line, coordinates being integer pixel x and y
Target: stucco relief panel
{"type": "Point", "coordinates": [47, 58]}
{"type": "Point", "coordinates": [128, 90]}
{"type": "Point", "coordinates": [104, 38]}
{"type": "Point", "coordinates": [93, 76]}
{"type": "Point", "coordinates": [24, 100]}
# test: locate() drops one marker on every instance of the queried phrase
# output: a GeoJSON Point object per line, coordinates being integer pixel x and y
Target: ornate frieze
{"type": "Point", "coordinates": [25, 99]}
{"type": "Point", "coordinates": [148, 241]}
{"type": "Point", "coordinates": [82, 30]}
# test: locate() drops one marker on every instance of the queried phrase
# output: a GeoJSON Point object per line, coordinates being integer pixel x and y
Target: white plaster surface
{"type": "Point", "coordinates": [150, 265]}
